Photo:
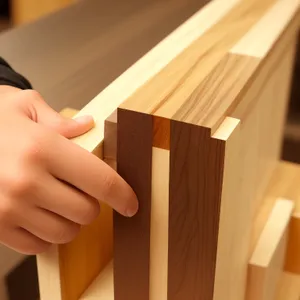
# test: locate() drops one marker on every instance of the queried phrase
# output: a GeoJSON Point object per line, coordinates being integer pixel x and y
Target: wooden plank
{"type": "Point", "coordinates": [102, 287]}
{"type": "Point", "coordinates": [132, 235]}
{"type": "Point", "coordinates": [267, 260]}
{"type": "Point", "coordinates": [87, 255]}
{"type": "Point", "coordinates": [159, 224]}
{"type": "Point", "coordinates": [165, 93]}
{"type": "Point", "coordinates": [289, 287]}
{"type": "Point", "coordinates": [110, 134]}
{"type": "Point", "coordinates": [292, 263]}
{"type": "Point", "coordinates": [195, 193]}
{"type": "Point", "coordinates": [149, 66]}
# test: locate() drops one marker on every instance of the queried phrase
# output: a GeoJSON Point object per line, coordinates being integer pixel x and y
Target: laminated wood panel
{"type": "Point", "coordinates": [206, 102]}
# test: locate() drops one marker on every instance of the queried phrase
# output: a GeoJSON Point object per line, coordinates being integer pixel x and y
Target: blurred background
{"type": "Point", "coordinates": [18, 275]}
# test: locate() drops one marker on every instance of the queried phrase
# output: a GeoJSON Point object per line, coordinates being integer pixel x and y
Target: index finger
{"type": "Point", "coordinates": [82, 169]}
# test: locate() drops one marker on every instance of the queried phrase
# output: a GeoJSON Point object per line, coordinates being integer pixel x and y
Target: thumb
{"type": "Point", "coordinates": [43, 114]}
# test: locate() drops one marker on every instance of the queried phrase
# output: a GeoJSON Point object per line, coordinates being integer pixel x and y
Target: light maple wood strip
{"type": "Point", "coordinates": [167, 92]}
{"type": "Point", "coordinates": [283, 183]}
{"type": "Point", "coordinates": [289, 287]}
{"type": "Point", "coordinates": [260, 39]}
{"type": "Point", "coordinates": [266, 263]}
{"type": "Point", "coordinates": [110, 135]}
{"type": "Point", "coordinates": [231, 244]}
{"type": "Point", "coordinates": [159, 224]}
{"type": "Point", "coordinates": [136, 76]}
{"type": "Point", "coordinates": [87, 255]}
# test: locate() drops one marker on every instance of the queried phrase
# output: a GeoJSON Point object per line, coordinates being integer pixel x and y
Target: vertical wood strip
{"type": "Point", "coordinates": [132, 235]}
{"type": "Point", "coordinates": [196, 168]}
{"type": "Point", "coordinates": [159, 224]}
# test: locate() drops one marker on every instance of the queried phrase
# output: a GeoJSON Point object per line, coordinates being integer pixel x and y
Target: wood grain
{"type": "Point", "coordinates": [132, 235]}
{"type": "Point", "coordinates": [159, 224]}
{"type": "Point", "coordinates": [161, 133]}
{"type": "Point", "coordinates": [233, 217]}
{"type": "Point", "coordinates": [165, 93]}
{"type": "Point", "coordinates": [196, 170]}
{"type": "Point", "coordinates": [267, 260]}
{"type": "Point", "coordinates": [87, 255]}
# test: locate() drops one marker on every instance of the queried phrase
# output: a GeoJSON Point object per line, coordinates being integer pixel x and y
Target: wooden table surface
{"type": "Point", "coordinates": [71, 55]}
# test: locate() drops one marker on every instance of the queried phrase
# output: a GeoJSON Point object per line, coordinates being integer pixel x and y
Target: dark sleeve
{"type": "Point", "coordinates": [8, 76]}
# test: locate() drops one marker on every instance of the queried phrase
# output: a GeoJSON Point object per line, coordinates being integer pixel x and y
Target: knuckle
{"type": "Point", "coordinates": [90, 213]}
{"type": "Point", "coordinates": [21, 184]}
{"type": "Point", "coordinates": [32, 148]}
{"type": "Point", "coordinates": [32, 94]}
{"type": "Point", "coordinates": [67, 233]}
{"type": "Point", "coordinates": [6, 210]}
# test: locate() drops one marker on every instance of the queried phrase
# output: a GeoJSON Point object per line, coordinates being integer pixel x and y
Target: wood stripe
{"type": "Point", "coordinates": [161, 133]}
{"type": "Point", "coordinates": [196, 167]}
{"type": "Point", "coordinates": [159, 224]}
{"type": "Point", "coordinates": [261, 38]}
{"type": "Point", "coordinates": [132, 235]}
{"type": "Point", "coordinates": [164, 94]}
{"type": "Point", "coordinates": [149, 66]}
{"type": "Point", "coordinates": [218, 91]}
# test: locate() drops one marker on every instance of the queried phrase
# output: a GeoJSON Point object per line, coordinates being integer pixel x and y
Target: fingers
{"type": "Point", "coordinates": [85, 171]}
{"type": "Point", "coordinates": [23, 241]}
{"type": "Point", "coordinates": [40, 112]}
{"type": "Point", "coordinates": [48, 226]}
{"type": "Point", "coordinates": [66, 201]}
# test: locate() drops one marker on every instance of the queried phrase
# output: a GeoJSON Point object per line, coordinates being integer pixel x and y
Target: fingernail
{"type": "Point", "coordinates": [131, 211]}
{"type": "Point", "coordinates": [84, 119]}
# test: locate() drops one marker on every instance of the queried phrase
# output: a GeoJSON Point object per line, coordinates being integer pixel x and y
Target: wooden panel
{"type": "Point", "coordinates": [292, 263]}
{"type": "Point", "coordinates": [132, 235]}
{"type": "Point", "coordinates": [289, 287]}
{"type": "Point", "coordinates": [195, 194]}
{"type": "Point", "coordinates": [86, 255]}
{"type": "Point", "coordinates": [266, 263]}
{"type": "Point", "coordinates": [103, 287]}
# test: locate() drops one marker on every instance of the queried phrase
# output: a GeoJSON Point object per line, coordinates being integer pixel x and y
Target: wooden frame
{"type": "Point", "coordinates": [198, 137]}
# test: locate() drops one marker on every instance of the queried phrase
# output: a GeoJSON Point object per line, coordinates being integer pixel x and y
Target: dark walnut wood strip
{"type": "Point", "coordinates": [132, 235]}
{"type": "Point", "coordinates": [196, 171]}
{"type": "Point", "coordinates": [161, 133]}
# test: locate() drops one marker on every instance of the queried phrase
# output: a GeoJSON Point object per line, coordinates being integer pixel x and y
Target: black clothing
{"type": "Point", "coordinates": [8, 76]}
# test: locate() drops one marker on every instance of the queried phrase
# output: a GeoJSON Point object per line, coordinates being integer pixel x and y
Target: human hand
{"type": "Point", "coordinates": [49, 186]}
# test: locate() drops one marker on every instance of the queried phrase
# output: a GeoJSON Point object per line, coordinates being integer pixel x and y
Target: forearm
{"type": "Point", "coordinates": [9, 77]}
